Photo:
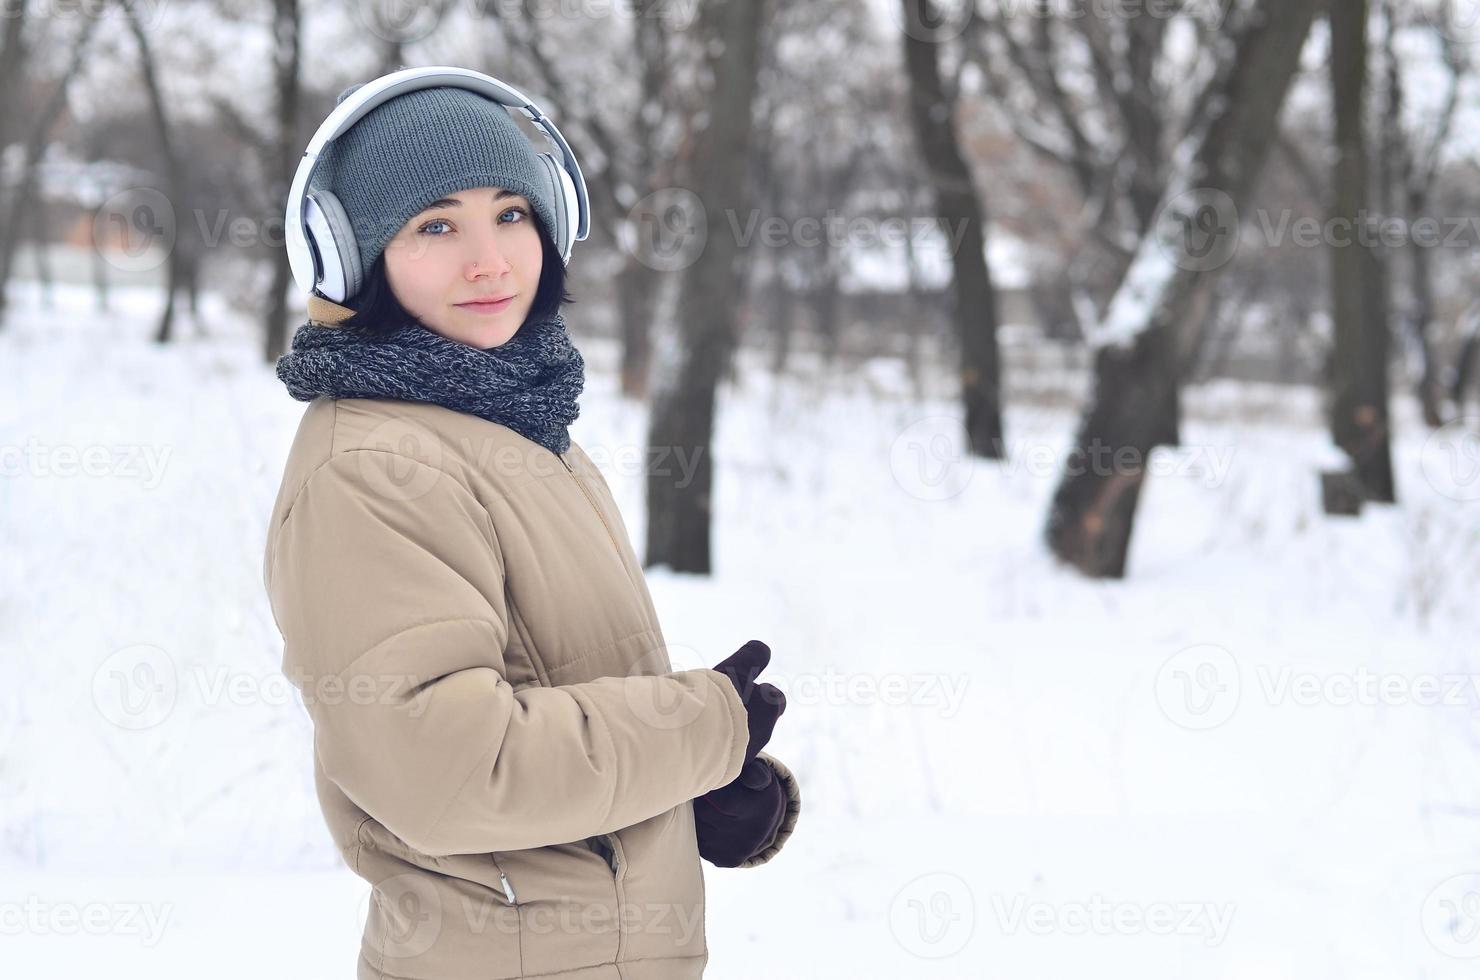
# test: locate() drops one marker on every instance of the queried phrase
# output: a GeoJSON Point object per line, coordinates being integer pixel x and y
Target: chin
{"type": "Point", "coordinates": [483, 336]}
{"type": "Point", "coordinates": [489, 339]}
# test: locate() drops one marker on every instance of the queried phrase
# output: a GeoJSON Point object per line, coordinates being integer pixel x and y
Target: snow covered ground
{"type": "Point", "coordinates": [1254, 759]}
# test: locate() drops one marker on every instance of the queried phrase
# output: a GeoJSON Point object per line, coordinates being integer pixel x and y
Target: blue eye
{"type": "Point", "coordinates": [522, 212]}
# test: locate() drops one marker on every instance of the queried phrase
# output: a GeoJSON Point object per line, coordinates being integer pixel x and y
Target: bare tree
{"type": "Point", "coordinates": [52, 109]}
{"type": "Point", "coordinates": [1100, 99]}
{"type": "Point", "coordinates": [1103, 100]}
{"type": "Point", "coordinates": [1357, 372]}
{"type": "Point", "coordinates": [287, 51]}
{"type": "Point", "coordinates": [1133, 407]}
{"type": "Point", "coordinates": [13, 57]}
{"type": "Point", "coordinates": [682, 421]}
{"type": "Point", "coordinates": [173, 170]}
{"type": "Point", "coordinates": [637, 283]}
{"type": "Point", "coordinates": [1468, 358]}
{"type": "Point", "coordinates": [832, 140]}
{"type": "Point", "coordinates": [1408, 165]}
{"type": "Point", "coordinates": [960, 206]}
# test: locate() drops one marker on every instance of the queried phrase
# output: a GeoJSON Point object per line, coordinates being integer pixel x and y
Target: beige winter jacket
{"type": "Point", "coordinates": [502, 747]}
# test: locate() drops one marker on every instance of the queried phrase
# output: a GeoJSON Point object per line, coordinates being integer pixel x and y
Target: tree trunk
{"type": "Point", "coordinates": [1359, 357]}
{"type": "Point", "coordinates": [639, 284]}
{"type": "Point", "coordinates": [1430, 389]}
{"type": "Point", "coordinates": [1407, 165]}
{"type": "Point", "coordinates": [819, 297]}
{"type": "Point", "coordinates": [1467, 359]}
{"type": "Point", "coordinates": [1133, 408]}
{"type": "Point", "coordinates": [959, 207]}
{"type": "Point", "coordinates": [42, 240]}
{"type": "Point", "coordinates": [287, 58]}
{"type": "Point", "coordinates": [36, 143]}
{"type": "Point", "coordinates": [174, 175]}
{"type": "Point", "coordinates": [637, 294]}
{"type": "Point", "coordinates": [13, 52]}
{"type": "Point", "coordinates": [914, 323]}
{"type": "Point", "coordinates": [99, 267]}
{"type": "Point", "coordinates": [682, 426]}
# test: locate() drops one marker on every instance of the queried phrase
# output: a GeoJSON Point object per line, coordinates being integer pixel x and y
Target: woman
{"type": "Point", "coordinates": [501, 746]}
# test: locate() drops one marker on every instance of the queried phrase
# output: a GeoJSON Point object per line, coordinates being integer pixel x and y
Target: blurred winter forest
{"type": "Point", "coordinates": [1081, 397]}
{"type": "Point", "coordinates": [1104, 202]}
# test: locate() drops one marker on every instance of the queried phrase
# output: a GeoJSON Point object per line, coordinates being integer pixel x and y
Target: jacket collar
{"type": "Point", "coordinates": [327, 312]}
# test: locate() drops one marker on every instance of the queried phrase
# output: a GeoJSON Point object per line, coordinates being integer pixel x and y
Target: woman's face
{"type": "Point", "coordinates": [478, 244]}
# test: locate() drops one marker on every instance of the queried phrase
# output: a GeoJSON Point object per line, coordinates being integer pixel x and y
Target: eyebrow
{"type": "Point", "coordinates": [452, 202]}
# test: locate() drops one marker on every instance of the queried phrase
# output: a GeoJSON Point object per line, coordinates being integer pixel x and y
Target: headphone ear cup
{"type": "Point", "coordinates": [567, 204]}
{"type": "Point", "coordinates": [332, 238]}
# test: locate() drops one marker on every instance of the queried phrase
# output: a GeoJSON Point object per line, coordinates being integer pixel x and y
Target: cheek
{"type": "Point", "coordinates": [531, 256]}
{"type": "Point", "coordinates": [413, 277]}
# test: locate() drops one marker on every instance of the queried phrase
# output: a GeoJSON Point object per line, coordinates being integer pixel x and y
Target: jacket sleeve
{"type": "Point", "coordinates": [386, 581]}
{"type": "Point", "coordinates": [788, 820]}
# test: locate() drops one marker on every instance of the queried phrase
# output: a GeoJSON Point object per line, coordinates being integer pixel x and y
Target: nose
{"type": "Point", "coordinates": [485, 258]}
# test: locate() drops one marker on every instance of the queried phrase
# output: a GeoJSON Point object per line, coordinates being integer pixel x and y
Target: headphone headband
{"type": "Point", "coordinates": [365, 98]}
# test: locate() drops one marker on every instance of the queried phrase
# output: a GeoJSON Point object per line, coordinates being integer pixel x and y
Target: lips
{"type": "Point", "coordinates": [487, 305]}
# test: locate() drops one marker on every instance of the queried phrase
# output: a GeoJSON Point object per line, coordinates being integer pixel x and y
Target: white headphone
{"type": "Point", "coordinates": [320, 238]}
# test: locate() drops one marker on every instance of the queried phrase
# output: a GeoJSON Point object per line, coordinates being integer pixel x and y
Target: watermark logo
{"type": "Point", "coordinates": [400, 459]}
{"type": "Point", "coordinates": [666, 230]}
{"type": "Point", "coordinates": [662, 702]}
{"type": "Point", "coordinates": [139, 687]}
{"type": "Point", "coordinates": [1198, 230]}
{"type": "Point", "coordinates": [130, 224]}
{"type": "Point", "coordinates": [944, 693]}
{"type": "Point", "coordinates": [36, 917]}
{"type": "Point", "coordinates": [1450, 459]}
{"type": "Point", "coordinates": [136, 687]}
{"type": "Point", "coordinates": [931, 21]}
{"type": "Point", "coordinates": [139, 461]}
{"type": "Point", "coordinates": [1451, 916]}
{"type": "Point", "coordinates": [1199, 687]}
{"type": "Point", "coordinates": [934, 915]}
{"type": "Point", "coordinates": [1098, 916]}
{"type": "Point", "coordinates": [929, 459]}
{"type": "Point", "coordinates": [400, 21]}
{"type": "Point", "coordinates": [1457, 20]}
{"type": "Point", "coordinates": [146, 12]}
{"type": "Point", "coordinates": [1366, 688]}
{"type": "Point", "coordinates": [1202, 686]}
{"type": "Point", "coordinates": [410, 914]}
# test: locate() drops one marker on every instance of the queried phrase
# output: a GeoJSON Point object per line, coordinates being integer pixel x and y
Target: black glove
{"type": "Point", "coordinates": [737, 820]}
{"type": "Point", "coordinates": [763, 702]}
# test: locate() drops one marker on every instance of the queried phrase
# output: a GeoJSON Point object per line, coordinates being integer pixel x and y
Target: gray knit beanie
{"type": "Point", "coordinates": [419, 147]}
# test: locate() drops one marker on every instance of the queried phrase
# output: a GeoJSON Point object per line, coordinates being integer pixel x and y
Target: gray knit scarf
{"type": "Point", "coordinates": [529, 384]}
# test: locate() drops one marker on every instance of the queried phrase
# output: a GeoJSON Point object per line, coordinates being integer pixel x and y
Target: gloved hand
{"type": "Point", "coordinates": [763, 702]}
{"type": "Point", "coordinates": [736, 820]}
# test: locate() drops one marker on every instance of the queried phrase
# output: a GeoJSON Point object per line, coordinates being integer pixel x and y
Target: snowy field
{"type": "Point", "coordinates": [1254, 759]}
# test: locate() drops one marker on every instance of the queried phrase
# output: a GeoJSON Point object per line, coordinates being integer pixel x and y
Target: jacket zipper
{"type": "Point", "coordinates": [611, 843]}
{"type": "Point", "coordinates": [503, 880]}
{"type": "Point", "coordinates": [571, 470]}
{"type": "Point", "coordinates": [508, 885]}
{"type": "Point", "coordinates": [621, 897]}
{"type": "Point", "coordinates": [611, 839]}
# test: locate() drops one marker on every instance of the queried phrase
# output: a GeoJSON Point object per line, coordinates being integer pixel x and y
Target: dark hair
{"type": "Point", "coordinates": [377, 309]}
